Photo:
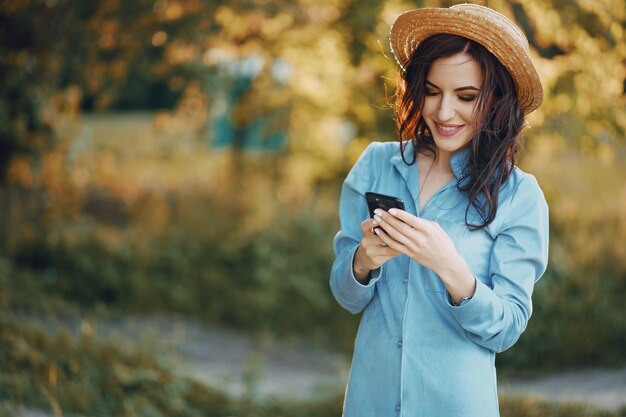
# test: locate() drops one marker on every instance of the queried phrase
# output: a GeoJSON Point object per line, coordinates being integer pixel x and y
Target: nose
{"type": "Point", "coordinates": [445, 111]}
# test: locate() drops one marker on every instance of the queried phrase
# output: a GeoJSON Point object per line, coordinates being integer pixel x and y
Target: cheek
{"type": "Point", "coordinates": [469, 112]}
{"type": "Point", "coordinates": [429, 107]}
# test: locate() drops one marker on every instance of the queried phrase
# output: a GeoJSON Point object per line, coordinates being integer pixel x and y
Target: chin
{"type": "Point", "coordinates": [450, 146]}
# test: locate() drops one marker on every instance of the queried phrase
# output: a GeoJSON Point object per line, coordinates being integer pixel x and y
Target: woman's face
{"type": "Point", "coordinates": [452, 88]}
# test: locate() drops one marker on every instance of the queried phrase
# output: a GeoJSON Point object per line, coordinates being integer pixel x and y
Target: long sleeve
{"type": "Point", "coordinates": [415, 353]}
{"type": "Point", "coordinates": [496, 317]}
{"type": "Point", "coordinates": [348, 292]}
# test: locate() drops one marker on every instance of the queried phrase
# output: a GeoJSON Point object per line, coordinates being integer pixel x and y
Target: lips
{"type": "Point", "coordinates": [448, 130]}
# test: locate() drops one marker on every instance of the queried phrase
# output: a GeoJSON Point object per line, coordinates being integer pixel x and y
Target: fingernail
{"type": "Point", "coordinates": [379, 212]}
{"type": "Point", "coordinates": [393, 212]}
{"type": "Point", "coordinates": [376, 219]}
{"type": "Point", "coordinates": [374, 222]}
{"type": "Point", "coordinates": [377, 231]}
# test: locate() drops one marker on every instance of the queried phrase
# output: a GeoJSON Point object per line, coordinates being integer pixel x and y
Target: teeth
{"type": "Point", "coordinates": [448, 128]}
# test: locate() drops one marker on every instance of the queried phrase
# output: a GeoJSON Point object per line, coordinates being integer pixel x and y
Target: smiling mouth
{"type": "Point", "coordinates": [448, 130]}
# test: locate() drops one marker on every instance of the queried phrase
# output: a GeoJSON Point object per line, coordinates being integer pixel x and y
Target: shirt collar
{"type": "Point", "coordinates": [396, 159]}
{"type": "Point", "coordinates": [458, 162]}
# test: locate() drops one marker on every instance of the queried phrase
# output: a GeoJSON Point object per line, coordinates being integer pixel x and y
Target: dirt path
{"type": "Point", "coordinates": [603, 389]}
{"type": "Point", "coordinates": [241, 365]}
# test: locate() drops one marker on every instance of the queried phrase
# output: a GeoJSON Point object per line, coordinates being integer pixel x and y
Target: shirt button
{"type": "Point", "coordinates": [399, 344]}
{"type": "Point", "coordinates": [397, 407]}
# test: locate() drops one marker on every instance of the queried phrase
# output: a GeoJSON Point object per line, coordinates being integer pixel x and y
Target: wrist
{"type": "Point", "coordinates": [451, 266]}
{"type": "Point", "coordinates": [360, 273]}
{"type": "Point", "coordinates": [459, 281]}
{"type": "Point", "coordinates": [460, 301]}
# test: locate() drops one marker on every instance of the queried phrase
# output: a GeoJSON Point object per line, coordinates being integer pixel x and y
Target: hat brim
{"type": "Point", "coordinates": [495, 32]}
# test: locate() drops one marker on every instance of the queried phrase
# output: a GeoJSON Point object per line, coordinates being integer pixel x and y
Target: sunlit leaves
{"type": "Point", "coordinates": [584, 85]}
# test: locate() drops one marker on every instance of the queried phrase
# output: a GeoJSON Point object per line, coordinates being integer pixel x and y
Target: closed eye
{"type": "Point", "coordinates": [467, 98]}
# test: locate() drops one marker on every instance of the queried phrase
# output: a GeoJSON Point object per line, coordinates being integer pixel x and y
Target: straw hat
{"type": "Point", "coordinates": [494, 31]}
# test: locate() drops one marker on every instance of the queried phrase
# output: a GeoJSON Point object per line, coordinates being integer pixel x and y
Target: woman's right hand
{"type": "Point", "coordinates": [371, 254]}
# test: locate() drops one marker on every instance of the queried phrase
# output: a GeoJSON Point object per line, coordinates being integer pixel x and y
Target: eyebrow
{"type": "Point", "coordinates": [467, 87]}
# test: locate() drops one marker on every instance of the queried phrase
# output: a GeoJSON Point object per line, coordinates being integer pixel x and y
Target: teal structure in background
{"type": "Point", "coordinates": [265, 133]}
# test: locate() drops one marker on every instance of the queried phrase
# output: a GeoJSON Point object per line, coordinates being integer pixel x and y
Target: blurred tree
{"type": "Point", "coordinates": [582, 63]}
{"type": "Point", "coordinates": [309, 80]}
{"type": "Point", "coordinates": [33, 38]}
{"type": "Point", "coordinates": [142, 55]}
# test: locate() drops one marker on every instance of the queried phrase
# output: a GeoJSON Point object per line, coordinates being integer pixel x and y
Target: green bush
{"type": "Point", "coordinates": [579, 318]}
{"type": "Point", "coordinates": [578, 321]}
{"type": "Point", "coordinates": [80, 376]}
{"type": "Point", "coordinates": [277, 281]}
{"type": "Point", "coordinates": [88, 378]}
{"type": "Point", "coordinates": [262, 264]}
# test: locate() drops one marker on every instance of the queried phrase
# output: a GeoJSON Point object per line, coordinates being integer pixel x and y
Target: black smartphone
{"type": "Point", "coordinates": [381, 201]}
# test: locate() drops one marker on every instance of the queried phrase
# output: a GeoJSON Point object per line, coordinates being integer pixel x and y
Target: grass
{"type": "Point", "coordinates": [135, 214]}
{"type": "Point", "coordinates": [65, 375]}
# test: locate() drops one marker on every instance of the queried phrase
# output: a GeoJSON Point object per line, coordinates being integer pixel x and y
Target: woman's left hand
{"type": "Point", "coordinates": [423, 240]}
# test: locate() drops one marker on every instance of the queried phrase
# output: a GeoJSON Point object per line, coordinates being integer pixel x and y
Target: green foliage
{"type": "Point", "coordinates": [76, 375]}
{"type": "Point", "coordinates": [84, 377]}
{"type": "Point", "coordinates": [579, 314]}
{"type": "Point", "coordinates": [213, 260]}
{"type": "Point", "coordinates": [161, 221]}
{"type": "Point", "coordinates": [276, 282]}
{"type": "Point", "coordinates": [112, 213]}
{"type": "Point", "coordinates": [575, 324]}
{"type": "Point", "coordinates": [516, 407]}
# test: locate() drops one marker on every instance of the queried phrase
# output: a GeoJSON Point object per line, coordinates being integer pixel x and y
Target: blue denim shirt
{"type": "Point", "coordinates": [415, 353]}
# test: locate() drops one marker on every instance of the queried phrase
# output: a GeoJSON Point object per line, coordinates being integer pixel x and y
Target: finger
{"type": "Point", "coordinates": [397, 229]}
{"type": "Point", "coordinates": [384, 249]}
{"type": "Point", "coordinates": [382, 252]}
{"type": "Point", "coordinates": [400, 236]}
{"type": "Point", "coordinates": [390, 252]}
{"type": "Point", "coordinates": [377, 253]}
{"type": "Point", "coordinates": [373, 241]}
{"type": "Point", "coordinates": [393, 244]}
{"type": "Point", "coordinates": [395, 222]}
{"type": "Point", "coordinates": [383, 258]}
{"type": "Point", "coordinates": [367, 227]}
{"type": "Point", "coordinates": [408, 218]}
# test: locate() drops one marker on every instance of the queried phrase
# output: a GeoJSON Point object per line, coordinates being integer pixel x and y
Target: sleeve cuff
{"type": "Point", "coordinates": [452, 303]}
{"type": "Point", "coordinates": [374, 274]}
{"type": "Point", "coordinates": [477, 312]}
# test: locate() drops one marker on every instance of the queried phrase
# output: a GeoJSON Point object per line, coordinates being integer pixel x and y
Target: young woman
{"type": "Point", "coordinates": [446, 283]}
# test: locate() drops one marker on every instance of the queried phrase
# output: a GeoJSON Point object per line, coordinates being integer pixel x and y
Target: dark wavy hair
{"type": "Point", "coordinates": [498, 121]}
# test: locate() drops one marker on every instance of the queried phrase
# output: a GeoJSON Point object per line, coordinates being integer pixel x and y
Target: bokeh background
{"type": "Point", "coordinates": [184, 158]}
